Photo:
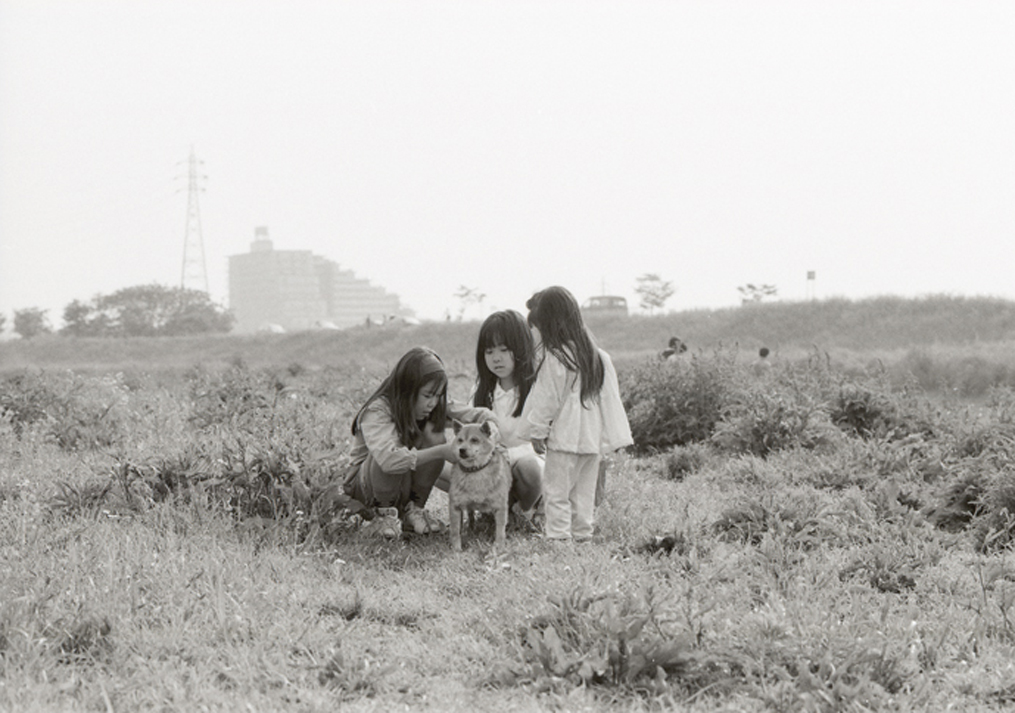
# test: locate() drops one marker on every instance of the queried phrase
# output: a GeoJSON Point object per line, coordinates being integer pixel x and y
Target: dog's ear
{"type": "Point", "coordinates": [457, 425]}
{"type": "Point", "coordinates": [490, 429]}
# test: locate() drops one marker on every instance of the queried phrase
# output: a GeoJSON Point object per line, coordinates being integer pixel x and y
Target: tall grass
{"type": "Point", "coordinates": [195, 557]}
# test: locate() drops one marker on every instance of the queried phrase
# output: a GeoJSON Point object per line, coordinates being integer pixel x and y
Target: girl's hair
{"type": "Point", "coordinates": [507, 328]}
{"type": "Point", "coordinates": [419, 367]}
{"type": "Point", "coordinates": [555, 313]}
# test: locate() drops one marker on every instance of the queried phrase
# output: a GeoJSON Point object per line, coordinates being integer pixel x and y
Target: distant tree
{"type": "Point", "coordinates": [31, 322]}
{"type": "Point", "coordinates": [146, 311]}
{"type": "Point", "coordinates": [751, 294]}
{"type": "Point", "coordinates": [196, 314]}
{"type": "Point", "coordinates": [468, 296]}
{"type": "Point", "coordinates": [654, 291]}
{"type": "Point", "coordinates": [3, 321]}
{"type": "Point", "coordinates": [81, 319]}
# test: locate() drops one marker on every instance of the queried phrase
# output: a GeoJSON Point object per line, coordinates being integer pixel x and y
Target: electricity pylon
{"type": "Point", "coordinates": [194, 275]}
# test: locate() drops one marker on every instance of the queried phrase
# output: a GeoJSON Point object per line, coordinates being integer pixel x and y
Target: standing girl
{"type": "Point", "coordinates": [505, 368]}
{"type": "Point", "coordinates": [575, 412]}
{"type": "Point", "coordinates": [399, 445]}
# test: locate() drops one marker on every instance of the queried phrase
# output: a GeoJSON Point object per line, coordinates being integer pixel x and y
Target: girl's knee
{"type": "Point", "coordinates": [527, 476]}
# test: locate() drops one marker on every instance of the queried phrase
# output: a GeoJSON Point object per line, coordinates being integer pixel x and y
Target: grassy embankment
{"type": "Point", "coordinates": [948, 344]}
{"type": "Point", "coordinates": [830, 544]}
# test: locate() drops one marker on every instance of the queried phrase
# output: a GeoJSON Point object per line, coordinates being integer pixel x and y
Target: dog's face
{"type": "Point", "coordinates": [475, 442]}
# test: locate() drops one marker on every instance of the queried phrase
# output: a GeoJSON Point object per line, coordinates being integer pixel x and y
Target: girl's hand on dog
{"type": "Point", "coordinates": [539, 445]}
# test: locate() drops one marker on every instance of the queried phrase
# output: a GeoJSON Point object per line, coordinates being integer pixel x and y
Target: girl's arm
{"type": "Point", "coordinates": [616, 428]}
{"type": "Point", "coordinates": [470, 414]}
{"type": "Point", "coordinates": [385, 445]}
{"type": "Point", "coordinates": [440, 451]}
{"type": "Point", "coordinates": [545, 399]}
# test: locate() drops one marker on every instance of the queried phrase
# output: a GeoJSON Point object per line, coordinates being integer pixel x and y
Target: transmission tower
{"type": "Point", "coordinates": [194, 275]}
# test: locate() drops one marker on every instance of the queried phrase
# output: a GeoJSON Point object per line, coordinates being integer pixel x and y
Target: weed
{"type": "Point", "coordinates": [760, 422]}
{"type": "Point", "coordinates": [676, 403]}
{"type": "Point", "coordinates": [681, 461]}
{"type": "Point", "coordinates": [354, 677]}
{"type": "Point", "coordinates": [86, 638]}
{"type": "Point", "coordinates": [884, 570]}
{"type": "Point", "coordinates": [77, 412]}
{"type": "Point", "coordinates": [605, 639]}
{"type": "Point", "coordinates": [863, 412]}
{"type": "Point", "coordinates": [958, 504]}
{"type": "Point", "coordinates": [85, 500]}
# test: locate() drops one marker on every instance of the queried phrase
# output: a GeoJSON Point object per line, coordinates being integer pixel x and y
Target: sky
{"type": "Point", "coordinates": [505, 146]}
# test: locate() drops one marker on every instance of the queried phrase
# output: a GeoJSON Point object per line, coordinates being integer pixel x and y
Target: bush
{"type": "Point", "coordinates": [77, 412]}
{"type": "Point", "coordinates": [762, 421]}
{"type": "Point", "coordinates": [859, 411]}
{"type": "Point", "coordinates": [684, 460]}
{"type": "Point", "coordinates": [675, 403]}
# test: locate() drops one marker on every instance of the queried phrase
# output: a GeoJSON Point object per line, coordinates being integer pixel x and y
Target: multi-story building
{"type": "Point", "coordinates": [296, 290]}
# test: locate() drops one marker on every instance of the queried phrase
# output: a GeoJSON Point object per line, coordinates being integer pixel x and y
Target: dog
{"type": "Point", "coordinates": [480, 479]}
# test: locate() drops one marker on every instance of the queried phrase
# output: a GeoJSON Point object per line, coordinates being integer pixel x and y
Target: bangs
{"type": "Point", "coordinates": [493, 336]}
{"type": "Point", "coordinates": [440, 378]}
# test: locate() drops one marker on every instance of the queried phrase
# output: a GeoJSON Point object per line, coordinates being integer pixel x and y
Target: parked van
{"type": "Point", "coordinates": [603, 305]}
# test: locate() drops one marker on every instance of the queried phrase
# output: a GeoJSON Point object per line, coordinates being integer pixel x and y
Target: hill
{"type": "Point", "coordinates": [882, 324]}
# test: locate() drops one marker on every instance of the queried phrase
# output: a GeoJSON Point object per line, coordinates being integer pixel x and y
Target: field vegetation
{"type": "Point", "coordinates": [832, 535]}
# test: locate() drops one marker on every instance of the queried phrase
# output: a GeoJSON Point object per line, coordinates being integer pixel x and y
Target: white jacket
{"type": "Point", "coordinates": [554, 411]}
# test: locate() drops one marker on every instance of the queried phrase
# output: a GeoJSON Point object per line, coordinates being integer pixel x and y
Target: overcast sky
{"type": "Point", "coordinates": [507, 146]}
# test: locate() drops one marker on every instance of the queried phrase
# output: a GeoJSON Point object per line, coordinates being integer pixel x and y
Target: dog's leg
{"type": "Point", "coordinates": [455, 526]}
{"type": "Point", "coordinates": [500, 524]}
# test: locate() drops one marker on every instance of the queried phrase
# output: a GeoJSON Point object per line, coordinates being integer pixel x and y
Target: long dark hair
{"type": "Point", "coordinates": [419, 367]}
{"type": "Point", "coordinates": [507, 328]}
{"type": "Point", "coordinates": [555, 313]}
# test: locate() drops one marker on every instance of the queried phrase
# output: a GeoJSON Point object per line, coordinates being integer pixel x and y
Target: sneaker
{"type": "Point", "coordinates": [385, 524]}
{"type": "Point", "coordinates": [522, 520]}
{"type": "Point", "coordinates": [418, 520]}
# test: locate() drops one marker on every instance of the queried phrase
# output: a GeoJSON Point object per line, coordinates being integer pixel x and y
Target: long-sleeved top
{"type": "Point", "coordinates": [554, 410]}
{"type": "Point", "coordinates": [378, 435]}
{"type": "Point", "coordinates": [511, 427]}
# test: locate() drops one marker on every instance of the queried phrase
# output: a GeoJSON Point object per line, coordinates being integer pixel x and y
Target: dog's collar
{"type": "Point", "coordinates": [475, 468]}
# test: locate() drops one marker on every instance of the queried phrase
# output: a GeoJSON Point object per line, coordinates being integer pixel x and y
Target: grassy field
{"type": "Point", "coordinates": [831, 537]}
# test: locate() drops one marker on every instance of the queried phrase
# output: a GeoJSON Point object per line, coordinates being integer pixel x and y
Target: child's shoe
{"type": "Point", "coordinates": [524, 520]}
{"type": "Point", "coordinates": [385, 524]}
{"type": "Point", "coordinates": [418, 520]}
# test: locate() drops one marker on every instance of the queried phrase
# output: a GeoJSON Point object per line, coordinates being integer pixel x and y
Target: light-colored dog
{"type": "Point", "coordinates": [480, 480]}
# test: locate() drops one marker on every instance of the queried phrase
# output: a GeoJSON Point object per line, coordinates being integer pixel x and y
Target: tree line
{"type": "Point", "coordinates": [140, 311]}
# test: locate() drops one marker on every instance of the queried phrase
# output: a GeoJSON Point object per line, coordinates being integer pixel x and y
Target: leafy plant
{"type": "Point", "coordinates": [862, 412]}
{"type": "Point", "coordinates": [681, 461]}
{"type": "Point", "coordinates": [605, 639]}
{"type": "Point", "coordinates": [671, 403]}
{"type": "Point", "coordinates": [78, 412]}
{"type": "Point", "coordinates": [760, 422]}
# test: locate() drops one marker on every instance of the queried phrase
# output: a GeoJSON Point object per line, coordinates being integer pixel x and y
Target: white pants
{"type": "Point", "coordinates": [569, 491]}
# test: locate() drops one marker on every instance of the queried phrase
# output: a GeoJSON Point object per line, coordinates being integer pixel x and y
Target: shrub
{"type": "Point", "coordinates": [676, 403]}
{"type": "Point", "coordinates": [862, 412]}
{"type": "Point", "coordinates": [238, 397]}
{"type": "Point", "coordinates": [608, 640]}
{"type": "Point", "coordinates": [684, 460]}
{"type": "Point", "coordinates": [78, 412]}
{"type": "Point", "coordinates": [958, 503]}
{"type": "Point", "coordinates": [760, 422]}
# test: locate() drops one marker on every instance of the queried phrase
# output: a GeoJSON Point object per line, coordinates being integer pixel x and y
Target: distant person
{"type": "Point", "coordinates": [676, 348]}
{"type": "Point", "coordinates": [399, 445]}
{"type": "Point", "coordinates": [762, 366]}
{"type": "Point", "coordinates": [575, 413]}
{"type": "Point", "coordinates": [505, 367]}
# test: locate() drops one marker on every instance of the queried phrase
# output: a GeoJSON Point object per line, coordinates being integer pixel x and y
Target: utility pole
{"type": "Point", "coordinates": [194, 275]}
